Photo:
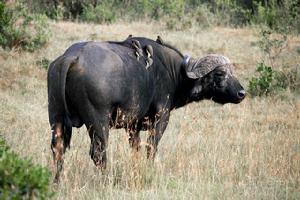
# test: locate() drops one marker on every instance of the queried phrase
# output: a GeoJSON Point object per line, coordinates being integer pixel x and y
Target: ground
{"type": "Point", "coordinates": [245, 151]}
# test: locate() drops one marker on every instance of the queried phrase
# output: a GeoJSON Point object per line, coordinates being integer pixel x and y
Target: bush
{"type": "Point", "coordinates": [231, 13]}
{"type": "Point", "coordinates": [20, 179]}
{"type": "Point", "coordinates": [159, 8]}
{"type": "Point", "coordinates": [263, 83]}
{"type": "Point", "coordinates": [278, 15]}
{"type": "Point", "coordinates": [52, 9]}
{"type": "Point", "coordinates": [100, 14]}
{"type": "Point", "coordinates": [203, 17]}
{"type": "Point", "coordinates": [273, 13]}
{"type": "Point", "coordinates": [273, 78]}
{"type": "Point", "coordinates": [43, 63]}
{"type": "Point", "coordinates": [20, 30]}
{"type": "Point", "coordinates": [269, 81]}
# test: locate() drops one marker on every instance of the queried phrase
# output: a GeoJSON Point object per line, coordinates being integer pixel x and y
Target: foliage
{"type": "Point", "coordinates": [262, 84]}
{"type": "Point", "coordinates": [271, 45]}
{"type": "Point", "coordinates": [231, 13]}
{"type": "Point", "coordinates": [269, 81]}
{"type": "Point", "coordinates": [201, 17]}
{"type": "Point", "coordinates": [52, 9]}
{"type": "Point", "coordinates": [272, 78]}
{"type": "Point", "coordinates": [99, 14]}
{"type": "Point", "coordinates": [278, 16]}
{"type": "Point", "coordinates": [265, 82]}
{"type": "Point", "coordinates": [20, 179]}
{"type": "Point", "coordinates": [18, 29]}
{"type": "Point", "coordinates": [158, 8]}
{"type": "Point", "coordinates": [43, 63]}
{"type": "Point", "coordinates": [275, 14]}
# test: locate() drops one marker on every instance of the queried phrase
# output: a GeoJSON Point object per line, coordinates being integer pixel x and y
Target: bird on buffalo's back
{"type": "Point", "coordinates": [149, 53]}
{"type": "Point", "coordinates": [138, 48]}
{"type": "Point", "coordinates": [159, 40]}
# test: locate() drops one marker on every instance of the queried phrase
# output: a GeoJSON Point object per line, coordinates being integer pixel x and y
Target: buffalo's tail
{"type": "Point", "coordinates": [57, 75]}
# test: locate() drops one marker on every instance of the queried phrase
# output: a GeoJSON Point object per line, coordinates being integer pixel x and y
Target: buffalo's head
{"type": "Point", "coordinates": [213, 79]}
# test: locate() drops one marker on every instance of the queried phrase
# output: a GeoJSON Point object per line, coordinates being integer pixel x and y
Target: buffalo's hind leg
{"type": "Point", "coordinates": [61, 137]}
{"type": "Point", "coordinates": [98, 128]}
{"type": "Point", "coordinates": [160, 125]}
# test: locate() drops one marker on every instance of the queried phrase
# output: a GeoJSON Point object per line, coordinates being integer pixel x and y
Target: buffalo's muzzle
{"type": "Point", "coordinates": [241, 94]}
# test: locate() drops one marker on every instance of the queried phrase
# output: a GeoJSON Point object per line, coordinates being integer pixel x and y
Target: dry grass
{"type": "Point", "coordinates": [245, 151]}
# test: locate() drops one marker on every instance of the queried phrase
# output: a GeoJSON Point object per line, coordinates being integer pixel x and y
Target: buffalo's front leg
{"type": "Point", "coordinates": [159, 126]}
{"type": "Point", "coordinates": [61, 136]}
{"type": "Point", "coordinates": [134, 140]}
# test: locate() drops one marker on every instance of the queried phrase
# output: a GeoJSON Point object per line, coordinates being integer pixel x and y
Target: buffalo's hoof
{"type": "Point", "coordinates": [100, 160]}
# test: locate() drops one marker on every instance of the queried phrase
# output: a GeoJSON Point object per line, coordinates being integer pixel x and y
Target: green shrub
{"type": "Point", "coordinates": [273, 13]}
{"type": "Point", "coordinates": [278, 16]}
{"type": "Point", "coordinates": [159, 8]}
{"type": "Point", "coordinates": [272, 46]}
{"type": "Point", "coordinates": [273, 78]}
{"type": "Point", "coordinates": [263, 83]}
{"type": "Point", "coordinates": [100, 14]}
{"type": "Point", "coordinates": [231, 13]}
{"type": "Point", "coordinates": [269, 81]}
{"type": "Point", "coordinates": [52, 9]}
{"type": "Point", "coordinates": [20, 179]}
{"type": "Point", "coordinates": [20, 30]}
{"type": "Point", "coordinates": [43, 63]}
{"type": "Point", "coordinates": [265, 14]}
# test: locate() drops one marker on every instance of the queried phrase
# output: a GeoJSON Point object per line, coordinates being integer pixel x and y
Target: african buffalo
{"type": "Point", "coordinates": [132, 84]}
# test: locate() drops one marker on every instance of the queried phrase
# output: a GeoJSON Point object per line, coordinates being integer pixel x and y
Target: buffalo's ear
{"type": "Point", "coordinates": [188, 67]}
{"type": "Point", "coordinates": [198, 68]}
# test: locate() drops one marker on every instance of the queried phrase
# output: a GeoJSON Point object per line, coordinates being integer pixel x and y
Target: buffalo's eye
{"type": "Point", "coordinates": [220, 73]}
{"type": "Point", "coordinates": [220, 84]}
{"type": "Point", "coordinates": [219, 79]}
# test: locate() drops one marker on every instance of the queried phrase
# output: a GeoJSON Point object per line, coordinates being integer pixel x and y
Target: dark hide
{"type": "Point", "coordinates": [103, 85]}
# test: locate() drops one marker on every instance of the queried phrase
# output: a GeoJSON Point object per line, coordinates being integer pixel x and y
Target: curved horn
{"type": "Point", "coordinates": [197, 68]}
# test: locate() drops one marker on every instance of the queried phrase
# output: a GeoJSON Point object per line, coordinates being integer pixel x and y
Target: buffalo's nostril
{"type": "Point", "coordinates": [241, 94]}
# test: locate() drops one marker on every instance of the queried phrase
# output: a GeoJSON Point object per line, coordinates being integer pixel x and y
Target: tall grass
{"type": "Point", "coordinates": [245, 151]}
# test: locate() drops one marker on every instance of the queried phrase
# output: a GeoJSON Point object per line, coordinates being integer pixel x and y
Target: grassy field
{"type": "Point", "coordinates": [245, 151]}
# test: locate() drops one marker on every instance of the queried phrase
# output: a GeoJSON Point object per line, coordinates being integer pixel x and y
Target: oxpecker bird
{"type": "Point", "coordinates": [149, 53]}
{"type": "Point", "coordinates": [159, 40]}
{"type": "Point", "coordinates": [137, 47]}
